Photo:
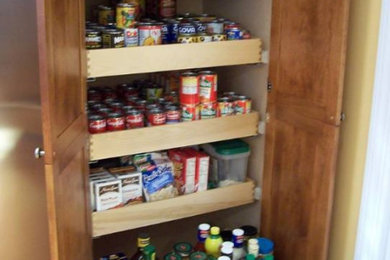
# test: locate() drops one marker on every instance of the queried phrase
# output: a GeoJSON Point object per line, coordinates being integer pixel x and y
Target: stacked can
{"type": "Point", "coordinates": [189, 96]}
{"type": "Point", "coordinates": [231, 103]}
{"type": "Point", "coordinates": [208, 84]}
{"type": "Point", "coordinates": [125, 20]}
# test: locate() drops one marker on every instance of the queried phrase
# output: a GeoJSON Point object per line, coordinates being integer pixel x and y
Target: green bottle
{"type": "Point", "coordinates": [213, 242]}
{"type": "Point", "coordinates": [149, 252]}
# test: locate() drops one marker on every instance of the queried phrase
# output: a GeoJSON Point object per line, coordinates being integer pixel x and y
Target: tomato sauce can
{"type": "Point", "coordinates": [115, 121]}
{"type": "Point", "coordinates": [208, 82]}
{"type": "Point", "coordinates": [189, 88]}
{"type": "Point", "coordinates": [134, 119]}
{"type": "Point", "coordinates": [189, 112]}
{"type": "Point", "coordinates": [242, 105]}
{"type": "Point", "coordinates": [149, 34]}
{"type": "Point", "coordinates": [131, 37]}
{"type": "Point", "coordinates": [156, 116]}
{"type": "Point", "coordinates": [173, 114]}
{"type": "Point", "coordinates": [106, 15]}
{"type": "Point", "coordinates": [96, 124]}
{"type": "Point", "coordinates": [125, 15]}
{"type": "Point", "coordinates": [113, 38]}
{"type": "Point", "coordinates": [225, 107]}
{"type": "Point", "coordinates": [93, 39]}
{"type": "Point", "coordinates": [208, 110]}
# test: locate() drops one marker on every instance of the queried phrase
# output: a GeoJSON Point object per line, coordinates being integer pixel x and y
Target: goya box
{"type": "Point", "coordinates": [184, 170]}
{"type": "Point", "coordinates": [131, 181]}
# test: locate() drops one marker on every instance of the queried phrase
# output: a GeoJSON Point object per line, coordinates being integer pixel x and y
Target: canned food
{"type": "Point", "coordinates": [132, 100]}
{"type": "Point", "coordinates": [187, 29]}
{"type": "Point", "coordinates": [108, 93]}
{"type": "Point", "coordinates": [204, 37]}
{"type": "Point", "coordinates": [113, 38]}
{"type": "Point", "coordinates": [150, 107]}
{"type": "Point", "coordinates": [215, 27]}
{"type": "Point", "coordinates": [129, 91]}
{"type": "Point", "coordinates": [116, 106]}
{"type": "Point", "coordinates": [208, 82]}
{"type": "Point", "coordinates": [186, 38]}
{"type": "Point", "coordinates": [173, 29]}
{"type": "Point", "coordinates": [219, 37]}
{"type": "Point", "coordinates": [93, 39]}
{"type": "Point", "coordinates": [106, 15]}
{"type": "Point", "coordinates": [139, 6]}
{"type": "Point", "coordinates": [141, 105]}
{"type": "Point", "coordinates": [165, 34]}
{"type": "Point", "coordinates": [242, 105]}
{"type": "Point", "coordinates": [154, 92]}
{"type": "Point", "coordinates": [189, 88]}
{"type": "Point", "coordinates": [125, 15]}
{"type": "Point", "coordinates": [104, 111]}
{"type": "Point", "coordinates": [131, 37]}
{"type": "Point", "coordinates": [230, 94]}
{"type": "Point", "coordinates": [98, 106]}
{"type": "Point", "coordinates": [206, 18]}
{"type": "Point", "coordinates": [173, 114]}
{"type": "Point", "coordinates": [156, 117]}
{"type": "Point", "coordinates": [172, 97]}
{"type": "Point", "coordinates": [208, 110]}
{"type": "Point", "coordinates": [189, 112]}
{"type": "Point", "coordinates": [200, 27]}
{"type": "Point", "coordinates": [127, 108]}
{"type": "Point", "coordinates": [225, 107]}
{"type": "Point", "coordinates": [91, 103]}
{"type": "Point", "coordinates": [233, 31]}
{"type": "Point", "coordinates": [134, 119]}
{"type": "Point", "coordinates": [183, 249]}
{"type": "Point", "coordinates": [172, 256]}
{"type": "Point", "coordinates": [94, 95]}
{"type": "Point", "coordinates": [166, 8]}
{"type": "Point", "coordinates": [149, 34]}
{"type": "Point", "coordinates": [246, 34]}
{"type": "Point", "coordinates": [115, 121]}
{"type": "Point", "coordinates": [96, 124]}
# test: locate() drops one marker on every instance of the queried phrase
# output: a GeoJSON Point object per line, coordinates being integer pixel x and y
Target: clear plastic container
{"type": "Point", "coordinates": [229, 161]}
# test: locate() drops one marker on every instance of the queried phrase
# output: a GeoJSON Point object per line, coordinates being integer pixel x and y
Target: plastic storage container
{"type": "Point", "coordinates": [229, 161]}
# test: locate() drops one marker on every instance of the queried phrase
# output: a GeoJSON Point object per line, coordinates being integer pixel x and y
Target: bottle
{"type": "Point", "coordinates": [227, 251]}
{"type": "Point", "coordinates": [203, 233]}
{"type": "Point", "coordinates": [143, 240]}
{"type": "Point", "coordinates": [224, 258]}
{"type": "Point", "coordinates": [213, 242]}
{"type": "Point", "coordinates": [253, 247]}
{"type": "Point", "coordinates": [238, 241]}
{"type": "Point", "coordinates": [149, 252]}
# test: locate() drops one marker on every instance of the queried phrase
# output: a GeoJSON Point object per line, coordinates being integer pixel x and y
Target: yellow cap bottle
{"type": "Point", "coordinates": [213, 242]}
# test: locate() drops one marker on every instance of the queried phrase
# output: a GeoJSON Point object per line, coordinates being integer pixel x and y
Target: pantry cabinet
{"type": "Point", "coordinates": [296, 93]}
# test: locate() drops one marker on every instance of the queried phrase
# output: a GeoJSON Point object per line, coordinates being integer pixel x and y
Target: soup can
{"type": "Point", "coordinates": [115, 121]}
{"type": "Point", "coordinates": [215, 27]}
{"type": "Point", "coordinates": [204, 37]}
{"type": "Point", "coordinates": [208, 84]}
{"type": "Point", "coordinates": [96, 124]}
{"type": "Point", "coordinates": [131, 37]}
{"type": "Point", "coordinates": [189, 112]}
{"type": "Point", "coordinates": [125, 15]}
{"type": "Point", "coordinates": [225, 107]}
{"type": "Point", "coordinates": [242, 105]}
{"type": "Point", "coordinates": [149, 33]}
{"type": "Point", "coordinates": [156, 116]}
{"type": "Point", "coordinates": [189, 88]}
{"type": "Point", "coordinates": [106, 15]}
{"type": "Point", "coordinates": [187, 28]}
{"type": "Point", "coordinates": [93, 39]}
{"type": "Point", "coordinates": [141, 105]}
{"type": "Point", "coordinates": [104, 111]}
{"type": "Point", "coordinates": [113, 38]}
{"type": "Point", "coordinates": [208, 110]}
{"type": "Point", "coordinates": [173, 29]}
{"type": "Point", "coordinates": [173, 114]}
{"type": "Point", "coordinates": [134, 119]}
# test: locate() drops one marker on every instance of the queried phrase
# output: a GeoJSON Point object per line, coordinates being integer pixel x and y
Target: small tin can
{"type": "Point", "coordinates": [200, 27]}
{"type": "Point", "coordinates": [187, 28]}
{"type": "Point", "coordinates": [134, 119]}
{"type": "Point", "coordinates": [96, 124]}
{"type": "Point", "coordinates": [149, 34]}
{"type": "Point", "coordinates": [116, 106]}
{"type": "Point", "coordinates": [156, 116]}
{"type": "Point", "coordinates": [242, 105]}
{"type": "Point", "coordinates": [104, 111]}
{"type": "Point", "coordinates": [129, 91]}
{"type": "Point", "coordinates": [172, 97]}
{"type": "Point", "coordinates": [219, 37]}
{"type": "Point", "coordinates": [206, 18]}
{"type": "Point", "coordinates": [132, 100]}
{"type": "Point", "coordinates": [189, 113]}
{"type": "Point", "coordinates": [113, 38]}
{"type": "Point", "coordinates": [172, 256]}
{"type": "Point", "coordinates": [94, 94]}
{"type": "Point", "coordinates": [141, 105]}
{"type": "Point", "coordinates": [173, 114]}
{"type": "Point", "coordinates": [106, 15]}
{"type": "Point", "coordinates": [173, 29]}
{"type": "Point", "coordinates": [91, 103]}
{"type": "Point", "coordinates": [233, 31]}
{"type": "Point", "coordinates": [183, 249]}
{"type": "Point", "coordinates": [204, 37]}
{"type": "Point", "coordinates": [186, 38]}
{"type": "Point", "coordinates": [215, 27]}
{"type": "Point", "coordinates": [198, 256]}
{"type": "Point", "coordinates": [115, 121]}
{"type": "Point", "coordinates": [127, 107]}
{"type": "Point", "coordinates": [125, 15]}
{"type": "Point", "coordinates": [97, 106]}
{"type": "Point", "coordinates": [225, 107]}
{"type": "Point", "coordinates": [93, 39]}
{"type": "Point", "coordinates": [208, 83]}
{"type": "Point", "coordinates": [131, 37]}
{"type": "Point", "coordinates": [165, 39]}
{"type": "Point", "coordinates": [208, 110]}
{"type": "Point", "coordinates": [189, 88]}
{"type": "Point", "coordinates": [109, 93]}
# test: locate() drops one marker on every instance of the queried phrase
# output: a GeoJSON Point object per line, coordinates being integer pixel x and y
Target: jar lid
{"type": "Point", "coordinates": [182, 248]}
{"type": "Point", "coordinates": [198, 256]}
{"type": "Point", "coordinates": [228, 244]}
{"type": "Point", "coordinates": [231, 147]}
{"type": "Point", "coordinates": [249, 231]}
{"type": "Point", "coordinates": [238, 232]}
{"type": "Point", "coordinates": [204, 226]}
{"type": "Point", "coordinates": [266, 245]}
{"type": "Point", "coordinates": [214, 230]}
{"type": "Point", "coordinates": [172, 256]}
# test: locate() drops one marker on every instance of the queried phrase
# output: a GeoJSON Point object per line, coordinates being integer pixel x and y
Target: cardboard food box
{"type": "Point", "coordinates": [131, 181]}
{"type": "Point", "coordinates": [184, 169]}
{"type": "Point", "coordinates": [108, 194]}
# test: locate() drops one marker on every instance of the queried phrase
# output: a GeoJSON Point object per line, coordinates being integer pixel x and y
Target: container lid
{"type": "Point", "coordinates": [228, 244]}
{"type": "Point", "coordinates": [198, 256]}
{"type": "Point", "coordinates": [172, 256]}
{"type": "Point", "coordinates": [214, 231]}
{"type": "Point", "coordinates": [223, 258]}
{"type": "Point", "coordinates": [204, 226]}
{"type": "Point", "coordinates": [230, 147]}
{"type": "Point", "coordinates": [249, 231]}
{"type": "Point", "coordinates": [266, 245]}
{"type": "Point", "coordinates": [182, 247]}
{"type": "Point", "coordinates": [250, 257]}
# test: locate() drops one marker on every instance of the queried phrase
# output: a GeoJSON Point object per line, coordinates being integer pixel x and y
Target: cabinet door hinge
{"type": "Point", "coordinates": [269, 86]}
{"type": "Point", "coordinates": [342, 116]}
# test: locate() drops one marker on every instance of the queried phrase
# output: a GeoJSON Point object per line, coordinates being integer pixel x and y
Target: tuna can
{"type": "Point", "coordinates": [187, 29]}
{"type": "Point", "coordinates": [115, 121]}
{"type": "Point", "coordinates": [204, 37]}
{"type": "Point", "coordinates": [225, 107]}
{"type": "Point", "coordinates": [93, 39]}
{"type": "Point", "coordinates": [149, 33]}
{"type": "Point", "coordinates": [215, 27]}
{"type": "Point", "coordinates": [173, 114]}
{"type": "Point", "coordinates": [189, 112]}
{"type": "Point", "coordinates": [219, 37]}
{"type": "Point", "coordinates": [131, 37]}
{"type": "Point", "coordinates": [125, 15]}
{"type": "Point", "coordinates": [173, 29]}
{"type": "Point", "coordinates": [200, 27]}
{"type": "Point", "coordinates": [186, 38]}
{"type": "Point", "coordinates": [96, 124]}
{"type": "Point", "coordinates": [113, 38]}
{"type": "Point", "coordinates": [134, 119]}
{"type": "Point", "coordinates": [156, 116]}
{"type": "Point", "coordinates": [189, 88]}
{"type": "Point", "coordinates": [208, 84]}
{"type": "Point", "coordinates": [106, 15]}
{"type": "Point", "coordinates": [208, 110]}
{"type": "Point", "coordinates": [242, 105]}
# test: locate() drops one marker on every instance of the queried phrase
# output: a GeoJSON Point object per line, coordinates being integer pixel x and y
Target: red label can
{"type": "Point", "coordinates": [208, 86]}
{"type": "Point", "coordinates": [96, 124]}
{"type": "Point", "coordinates": [208, 110]}
{"type": "Point", "coordinates": [189, 88]}
{"type": "Point", "coordinates": [242, 105]}
{"type": "Point", "coordinates": [225, 107]}
{"type": "Point", "coordinates": [134, 119]}
{"type": "Point", "coordinates": [173, 114]}
{"type": "Point", "coordinates": [189, 112]}
{"type": "Point", "coordinates": [115, 122]}
{"type": "Point", "coordinates": [156, 117]}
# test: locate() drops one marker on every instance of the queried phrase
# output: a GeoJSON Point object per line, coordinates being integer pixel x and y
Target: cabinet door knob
{"type": "Point", "coordinates": [39, 153]}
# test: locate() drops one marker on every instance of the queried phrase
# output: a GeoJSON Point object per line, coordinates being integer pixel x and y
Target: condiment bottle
{"type": "Point", "coordinates": [143, 240]}
{"type": "Point", "coordinates": [238, 240]}
{"type": "Point", "coordinates": [149, 252]}
{"type": "Point", "coordinates": [224, 258]}
{"type": "Point", "coordinates": [227, 251]}
{"type": "Point", "coordinates": [203, 233]}
{"type": "Point", "coordinates": [213, 242]}
{"type": "Point", "coordinates": [253, 247]}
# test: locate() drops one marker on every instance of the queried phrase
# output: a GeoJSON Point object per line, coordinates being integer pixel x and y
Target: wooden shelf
{"type": "Point", "coordinates": [148, 139]}
{"type": "Point", "coordinates": [142, 59]}
{"type": "Point", "coordinates": [145, 214]}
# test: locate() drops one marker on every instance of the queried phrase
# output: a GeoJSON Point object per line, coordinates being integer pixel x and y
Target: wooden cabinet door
{"type": "Point", "coordinates": [62, 82]}
{"type": "Point", "coordinates": [308, 43]}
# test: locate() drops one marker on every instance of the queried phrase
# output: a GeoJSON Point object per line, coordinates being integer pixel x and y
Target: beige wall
{"type": "Point", "coordinates": [360, 67]}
